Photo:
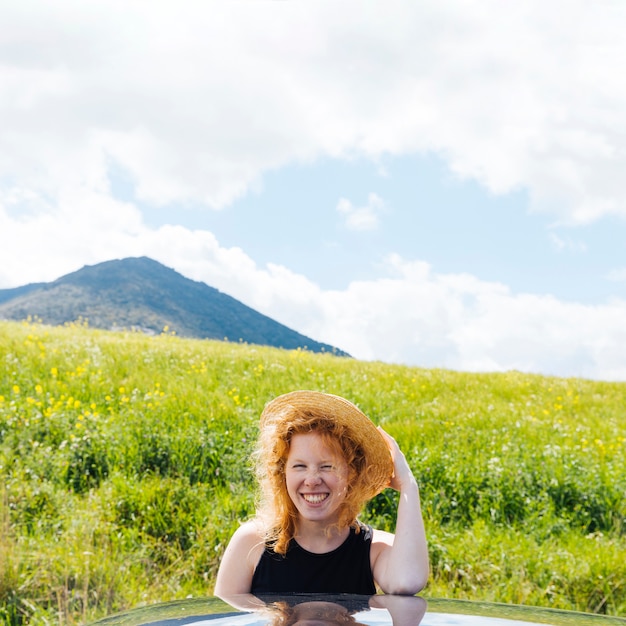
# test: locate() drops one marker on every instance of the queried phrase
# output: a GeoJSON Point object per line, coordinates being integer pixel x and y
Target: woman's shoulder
{"type": "Point", "coordinates": [252, 531]}
{"type": "Point", "coordinates": [381, 540]}
{"type": "Point", "coordinates": [248, 541]}
{"type": "Point", "coordinates": [381, 543]}
{"type": "Point", "coordinates": [382, 537]}
{"type": "Point", "coordinates": [240, 559]}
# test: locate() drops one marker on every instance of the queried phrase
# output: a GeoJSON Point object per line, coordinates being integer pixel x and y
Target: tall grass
{"type": "Point", "coordinates": [124, 470]}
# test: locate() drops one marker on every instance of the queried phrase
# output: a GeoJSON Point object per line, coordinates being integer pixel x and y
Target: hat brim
{"type": "Point", "coordinates": [379, 464]}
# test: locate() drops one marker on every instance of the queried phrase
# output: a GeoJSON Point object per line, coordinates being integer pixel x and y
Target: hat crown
{"type": "Point", "coordinates": [379, 465]}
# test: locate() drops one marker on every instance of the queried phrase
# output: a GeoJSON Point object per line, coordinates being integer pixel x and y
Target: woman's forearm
{"type": "Point", "coordinates": [407, 565]}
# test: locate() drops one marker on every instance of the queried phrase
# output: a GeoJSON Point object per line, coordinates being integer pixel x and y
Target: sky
{"type": "Point", "coordinates": [437, 183]}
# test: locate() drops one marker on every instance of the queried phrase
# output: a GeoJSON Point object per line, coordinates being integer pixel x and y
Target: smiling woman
{"type": "Point", "coordinates": [319, 459]}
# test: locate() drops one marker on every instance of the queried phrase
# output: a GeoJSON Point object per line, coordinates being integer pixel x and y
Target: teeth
{"type": "Point", "coordinates": [315, 498]}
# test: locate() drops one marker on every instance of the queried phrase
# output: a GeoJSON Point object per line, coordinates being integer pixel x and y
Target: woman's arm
{"type": "Point", "coordinates": [400, 562]}
{"type": "Point", "coordinates": [239, 561]}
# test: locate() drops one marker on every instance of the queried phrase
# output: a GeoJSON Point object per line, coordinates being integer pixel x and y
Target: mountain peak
{"type": "Point", "coordinates": [141, 293]}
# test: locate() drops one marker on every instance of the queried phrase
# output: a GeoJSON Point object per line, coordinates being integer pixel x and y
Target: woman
{"type": "Point", "coordinates": [319, 459]}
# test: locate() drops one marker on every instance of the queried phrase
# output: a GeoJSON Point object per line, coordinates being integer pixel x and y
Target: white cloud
{"type": "Point", "coordinates": [197, 99]}
{"type": "Point", "coordinates": [460, 322]}
{"type": "Point", "coordinates": [45, 244]}
{"type": "Point", "coordinates": [416, 317]}
{"type": "Point", "coordinates": [567, 243]}
{"type": "Point", "coordinates": [361, 218]}
{"type": "Point", "coordinates": [617, 275]}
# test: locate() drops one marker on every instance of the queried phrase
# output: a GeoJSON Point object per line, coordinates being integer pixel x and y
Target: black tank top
{"type": "Point", "coordinates": [346, 569]}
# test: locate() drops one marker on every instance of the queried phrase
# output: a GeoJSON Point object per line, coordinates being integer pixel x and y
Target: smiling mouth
{"type": "Point", "coordinates": [314, 498]}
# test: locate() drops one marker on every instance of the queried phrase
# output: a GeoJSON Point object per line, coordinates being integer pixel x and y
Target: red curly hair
{"type": "Point", "coordinates": [276, 508]}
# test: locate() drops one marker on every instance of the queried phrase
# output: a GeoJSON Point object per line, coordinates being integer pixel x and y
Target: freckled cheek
{"type": "Point", "coordinates": [342, 484]}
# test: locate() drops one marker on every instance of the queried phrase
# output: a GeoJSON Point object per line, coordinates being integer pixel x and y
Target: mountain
{"type": "Point", "coordinates": [141, 294]}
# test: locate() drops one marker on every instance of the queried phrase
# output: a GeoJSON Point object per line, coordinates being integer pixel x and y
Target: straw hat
{"type": "Point", "coordinates": [379, 465]}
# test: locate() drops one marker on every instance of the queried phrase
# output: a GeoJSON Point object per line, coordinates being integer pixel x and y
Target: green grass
{"type": "Point", "coordinates": [124, 470]}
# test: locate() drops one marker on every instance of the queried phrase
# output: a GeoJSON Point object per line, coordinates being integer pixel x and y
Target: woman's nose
{"type": "Point", "coordinates": [312, 477]}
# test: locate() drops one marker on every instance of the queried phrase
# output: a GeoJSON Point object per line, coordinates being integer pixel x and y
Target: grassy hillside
{"type": "Point", "coordinates": [124, 470]}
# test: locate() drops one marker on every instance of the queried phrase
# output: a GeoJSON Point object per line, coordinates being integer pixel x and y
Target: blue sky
{"type": "Point", "coordinates": [421, 183]}
{"type": "Point", "coordinates": [424, 212]}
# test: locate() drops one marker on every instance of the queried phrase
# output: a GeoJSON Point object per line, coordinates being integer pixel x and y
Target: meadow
{"type": "Point", "coordinates": [124, 469]}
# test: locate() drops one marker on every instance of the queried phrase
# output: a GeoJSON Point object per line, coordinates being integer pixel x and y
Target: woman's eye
{"type": "Point", "coordinates": [327, 467]}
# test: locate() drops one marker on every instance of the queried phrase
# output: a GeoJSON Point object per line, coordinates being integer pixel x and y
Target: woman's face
{"type": "Point", "coordinates": [316, 477]}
